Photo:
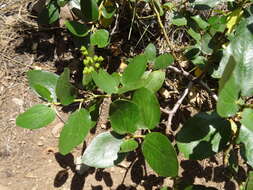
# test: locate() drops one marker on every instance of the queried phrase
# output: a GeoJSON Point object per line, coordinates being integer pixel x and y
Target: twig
{"type": "Point", "coordinates": [177, 105]}
{"type": "Point", "coordinates": [132, 22]}
{"type": "Point", "coordinates": [116, 22]}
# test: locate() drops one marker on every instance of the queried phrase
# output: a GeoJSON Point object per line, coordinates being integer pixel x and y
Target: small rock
{"type": "Point", "coordinates": [40, 143]}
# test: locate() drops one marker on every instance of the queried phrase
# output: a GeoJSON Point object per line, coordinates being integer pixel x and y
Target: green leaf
{"type": "Point", "coordinates": [155, 80]}
{"type": "Point", "coordinates": [100, 38]}
{"type": "Point", "coordinates": [89, 10]}
{"type": "Point", "coordinates": [49, 14]}
{"type": "Point", "coordinates": [43, 92]}
{"type": "Point", "coordinates": [42, 79]}
{"type": "Point", "coordinates": [134, 70]}
{"type": "Point", "coordinates": [149, 107]}
{"type": "Point", "coordinates": [203, 135]}
{"type": "Point", "coordinates": [105, 81]}
{"type": "Point", "coordinates": [64, 90]}
{"type": "Point", "coordinates": [160, 154]}
{"type": "Point", "coordinates": [102, 152]}
{"type": "Point", "coordinates": [75, 130]}
{"type": "Point", "coordinates": [108, 11]}
{"type": "Point", "coordinates": [205, 4]}
{"type": "Point", "coordinates": [179, 20]}
{"type": "Point", "coordinates": [62, 3]}
{"type": "Point", "coordinates": [77, 28]}
{"type": "Point", "coordinates": [241, 48]}
{"type": "Point", "coordinates": [228, 91]}
{"type": "Point", "coordinates": [124, 116]}
{"type": "Point", "coordinates": [205, 44]}
{"type": "Point", "coordinates": [249, 184]}
{"type": "Point", "coordinates": [150, 52]}
{"type": "Point", "coordinates": [201, 23]}
{"type": "Point", "coordinates": [196, 36]}
{"type": "Point", "coordinates": [245, 137]}
{"type": "Point", "coordinates": [163, 61]}
{"type": "Point", "coordinates": [128, 145]}
{"type": "Point", "coordinates": [36, 117]}
{"type": "Point", "coordinates": [246, 134]}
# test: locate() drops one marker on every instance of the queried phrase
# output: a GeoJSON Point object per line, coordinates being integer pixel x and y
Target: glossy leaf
{"type": "Point", "coordinates": [203, 135]}
{"type": "Point", "coordinates": [163, 61]}
{"type": "Point", "coordinates": [201, 23]}
{"type": "Point", "coordinates": [149, 108]}
{"type": "Point", "coordinates": [36, 117]}
{"type": "Point", "coordinates": [228, 91]}
{"type": "Point", "coordinates": [64, 90]}
{"type": "Point", "coordinates": [128, 145]}
{"type": "Point", "coordinates": [42, 79]}
{"type": "Point", "coordinates": [160, 154]}
{"type": "Point", "coordinates": [105, 81]}
{"type": "Point", "coordinates": [100, 38]}
{"type": "Point", "coordinates": [124, 116]}
{"type": "Point", "coordinates": [246, 134]}
{"type": "Point", "coordinates": [155, 80]}
{"type": "Point", "coordinates": [77, 28]}
{"type": "Point", "coordinates": [102, 152]}
{"type": "Point", "coordinates": [89, 9]}
{"type": "Point", "coordinates": [134, 70]}
{"type": "Point", "coordinates": [74, 130]}
{"type": "Point", "coordinates": [241, 48]}
{"type": "Point", "coordinates": [150, 52]}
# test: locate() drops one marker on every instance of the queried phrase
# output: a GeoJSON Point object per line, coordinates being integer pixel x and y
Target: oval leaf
{"type": "Point", "coordinates": [228, 91]}
{"type": "Point", "coordinates": [149, 108]}
{"type": "Point", "coordinates": [103, 151]}
{"type": "Point", "coordinates": [36, 117]}
{"type": "Point", "coordinates": [134, 70]}
{"type": "Point", "coordinates": [105, 81]}
{"type": "Point", "coordinates": [64, 90]}
{"type": "Point", "coordinates": [42, 79]}
{"type": "Point", "coordinates": [124, 116]}
{"type": "Point", "coordinates": [77, 28]}
{"type": "Point", "coordinates": [100, 38]}
{"type": "Point", "coordinates": [128, 145]}
{"type": "Point", "coordinates": [155, 80]}
{"type": "Point", "coordinates": [74, 130]}
{"type": "Point", "coordinates": [163, 61]}
{"type": "Point", "coordinates": [150, 52]}
{"type": "Point", "coordinates": [203, 135]}
{"type": "Point", "coordinates": [160, 154]}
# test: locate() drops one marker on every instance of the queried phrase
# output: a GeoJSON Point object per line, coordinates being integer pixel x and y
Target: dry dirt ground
{"type": "Point", "coordinates": [29, 158]}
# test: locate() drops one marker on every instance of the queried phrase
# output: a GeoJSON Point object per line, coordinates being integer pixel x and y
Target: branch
{"type": "Point", "coordinates": [194, 79]}
{"type": "Point", "coordinates": [177, 105]}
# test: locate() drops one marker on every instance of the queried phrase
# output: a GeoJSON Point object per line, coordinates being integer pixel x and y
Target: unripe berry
{"type": "Point", "coordinates": [97, 65]}
{"type": "Point", "coordinates": [100, 59]}
{"type": "Point", "coordinates": [95, 58]}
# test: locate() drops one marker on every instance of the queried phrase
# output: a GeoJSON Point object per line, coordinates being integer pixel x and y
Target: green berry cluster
{"type": "Point", "coordinates": [90, 63]}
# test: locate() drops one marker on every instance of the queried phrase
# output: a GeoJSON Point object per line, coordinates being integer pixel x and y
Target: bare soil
{"type": "Point", "coordinates": [29, 159]}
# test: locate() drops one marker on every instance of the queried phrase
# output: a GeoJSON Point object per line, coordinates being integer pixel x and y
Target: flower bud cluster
{"type": "Point", "coordinates": [90, 63]}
